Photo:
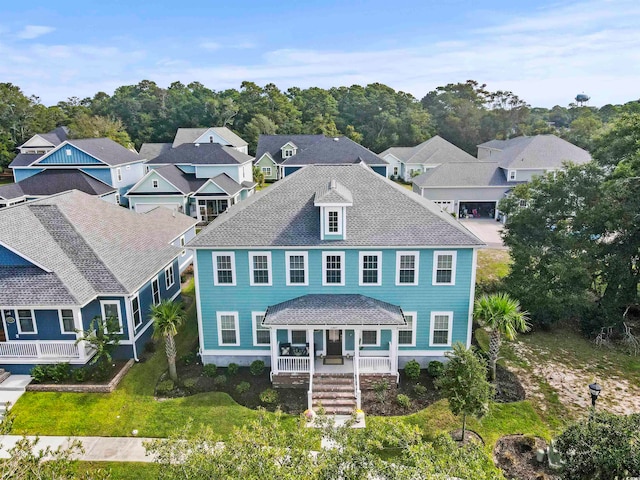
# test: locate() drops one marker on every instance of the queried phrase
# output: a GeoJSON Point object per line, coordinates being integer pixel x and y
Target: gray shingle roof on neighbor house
{"type": "Point", "coordinates": [185, 182]}
{"type": "Point", "coordinates": [537, 152]}
{"type": "Point", "coordinates": [152, 150]}
{"type": "Point", "coordinates": [383, 214]}
{"type": "Point", "coordinates": [92, 247]}
{"type": "Point", "coordinates": [105, 149]}
{"type": "Point", "coordinates": [334, 151]}
{"type": "Point", "coordinates": [201, 154]}
{"type": "Point", "coordinates": [52, 181]}
{"type": "Point", "coordinates": [56, 136]}
{"type": "Point", "coordinates": [463, 174]}
{"type": "Point", "coordinates": [190, 135]}
{"type": "Point", "coordinates": [272, 144]}
{"type": "Point", "coordinates": [24, 159]}
{"type": "Point", "coordinates": [334, 309]}
{"type": "Point", "coordinates": [434, 151]}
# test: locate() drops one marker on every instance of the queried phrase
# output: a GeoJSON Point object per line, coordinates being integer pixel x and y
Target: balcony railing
{"type": "Point", "coordinates": [374, 365]}
{"type": "Point", "coordinates": [293, 364]}
{"type": "Point", "coordinates": [45, 349]}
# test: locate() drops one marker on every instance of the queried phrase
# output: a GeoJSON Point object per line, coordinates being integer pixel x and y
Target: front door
{"type": "Point", "coordinates": [334, 343]}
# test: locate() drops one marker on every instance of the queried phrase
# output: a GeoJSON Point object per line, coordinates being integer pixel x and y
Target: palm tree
{"type": "Point", "coordinates": [501, 315]}
{"type": "Point", "coordinates": [167, 316]}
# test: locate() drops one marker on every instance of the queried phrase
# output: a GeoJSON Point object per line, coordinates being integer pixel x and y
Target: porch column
{"type": "Point", "coordinates": [357, 334]}
{"type": "Point", "coordinates": [312, 351]}
{"type": "Point", "coordinates": [274, 350]}
{"type": "Point", "coordinates": [393, 350]}
{"type": "Point", "coordinates": [77, 323]}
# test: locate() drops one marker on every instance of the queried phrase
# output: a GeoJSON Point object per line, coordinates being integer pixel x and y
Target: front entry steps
{"type": "Point", "coordinates": [334, 392]}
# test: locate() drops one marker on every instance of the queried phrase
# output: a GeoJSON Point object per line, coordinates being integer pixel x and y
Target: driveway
{"type": "Point", "coordinates": [486, 230]}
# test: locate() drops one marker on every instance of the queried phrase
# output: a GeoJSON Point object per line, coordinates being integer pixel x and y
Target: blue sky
{"type": "Point", "coordinates": [544, 51]}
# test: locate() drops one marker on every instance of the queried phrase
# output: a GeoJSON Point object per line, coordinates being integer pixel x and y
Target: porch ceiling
{"type": "Point", "coordinates": [334, 310]}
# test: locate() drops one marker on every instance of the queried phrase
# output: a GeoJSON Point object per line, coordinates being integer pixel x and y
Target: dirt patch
{"type": "Point", "coordinates": [515, 455]}
{"type": "Point", "coordinates": [508, 386]}
{"type": "Point", "coordinates": [385, 403]}
{"type": "Point", "coordinates": [469, 437]}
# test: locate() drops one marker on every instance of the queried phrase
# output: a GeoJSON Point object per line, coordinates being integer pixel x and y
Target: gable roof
{"type": "Point", "coordinates": [334, 151]}
{"type": "Point", "coordinates": [537, 152]}
{"type": "Point", "coordinates": [332, 192]}
{"type": "Point", "coordinates": [463, 174]}
{"type": "Point", "coordinates": [24, 159]}
{"type": "Point", "coordinates": [52, 181]}
{"type": "Point", "coordinates": [190, 135]}
{"type": "Point", "coordinates": [273, 144]}
{"type": "Point", "coordinates": [383, 214]}
{"type": "Point", "coordinates": [434, 151]}
{"type": "Point", "coordinates": [185, 182]}
{"type": "Point", "coordinates": [152, 150]}
{"type": "Point", "coordinates": [91, 247]}
{"type": "Point", "coordinates": [201, 154]}
{"type": "Point", "coordinates": [104, 149]}
{"type": "Point", "coordinates": [55, 137]}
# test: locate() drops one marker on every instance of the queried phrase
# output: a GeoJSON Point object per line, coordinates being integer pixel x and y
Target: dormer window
{"type": "Point", "coordinates": [334, 223]}
{"type": "Point", "coordinates": [333, 200]}
{"type": "Point", "coordinates": [512, 174]}
{"type": "Point", "coordinates": [288, 150]}
{"type": "Point", "coordinates": [287, 153]}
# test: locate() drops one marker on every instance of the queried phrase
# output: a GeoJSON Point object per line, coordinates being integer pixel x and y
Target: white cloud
{"type": "Point", "coordinates": [30, 32]}
{"type": "Point", "coordinates": [210, 45]}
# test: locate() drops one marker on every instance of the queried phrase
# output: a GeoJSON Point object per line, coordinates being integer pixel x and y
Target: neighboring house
{"type": "Point", "coordinates": [220, 135]}
{"type": "Point", "coordinates": [102, 158]}
{"type": "Point", "coordinates": [474, 188]}
{"type": "Point", "coordinates": [199, 180]}
{"type": "Point", "coordinates": [41, 143]}
{"type": "Point", "coordinates": [333, 265]}
{"type": "Point", "coordinates": [68, 258]}
{"type": "Point", "coordinates": [407, 162]}
{"type": "Point", "coordinates": [51, 182]}
{"type": "Point", "coordinates": [280, 155]}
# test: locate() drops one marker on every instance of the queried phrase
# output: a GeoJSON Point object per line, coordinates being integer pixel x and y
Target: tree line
{"type": "Point", "coordinates": [375, 115]}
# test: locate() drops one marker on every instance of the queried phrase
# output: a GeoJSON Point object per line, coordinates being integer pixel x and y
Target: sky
{"type": "Point", "coordinates": [544, 51]}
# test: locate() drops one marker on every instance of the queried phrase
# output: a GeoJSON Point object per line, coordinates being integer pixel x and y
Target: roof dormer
{"type": "Point", "coordinates": [333, 200]}
{"type": "Point", "coordinates": [289, 149]}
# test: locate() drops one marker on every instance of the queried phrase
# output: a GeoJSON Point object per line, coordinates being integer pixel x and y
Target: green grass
{"type": "Point", "coordinates": [120, 470]}
{"type": "Point", "coordinates": [493, 265]}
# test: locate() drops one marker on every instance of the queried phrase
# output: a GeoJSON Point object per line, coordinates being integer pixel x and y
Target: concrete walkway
{"type": "Point", "coordinates": [11, 390]}
{"type": "Point", "coordinates": [486, 230]}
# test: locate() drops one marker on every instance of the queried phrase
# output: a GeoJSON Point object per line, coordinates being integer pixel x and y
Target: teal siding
{"type": "Point", "coordinates": [103, 174]}
{"type": "Point", "coordinates": [422, 299]}
{"type": "Point", "coordinates": [76, 157]}
{"type": "Point", "coordinates": [8, 258]}
{"type": "Point", "coordinates": [187, 168]}
{"type": "Point", "coordinates": [20, 174]}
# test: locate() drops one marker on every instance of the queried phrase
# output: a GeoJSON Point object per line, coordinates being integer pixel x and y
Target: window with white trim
{"type": "Point", "coordinates": [135, 311]}
{"type": "Point", "coordinates": [169, 277]}
{"type": "Point", "coordinates": [259, 268]}
{"type": "Point", "coordinates": [523, 203]}
{"type": "Point", "coordinates": [117, 198]}
{"type": "Point", "coordinates": [298, 337]}
{"type": "Point", "coordinates": [118, 174]}
{"type": "Point", "coordinates": [288, 152]}
{"type": "Point", "coordinates": [182, 241]}
{"type": "Point", "coordinates": [444, 268]}
{"type": "Point", "coordinates": [26, 321]}
{"type": "Point", "coordinates": [440, 334]}
{"type": "Point", "coordinates": [111, 309]}
{"type": "Point", "coordinates": [67, 322]}
{"type": "Point", "coordinates": [407, 268]}
{"type": "Point", "coordinates": [407, 334]}
{"type": "Point", "coordinates": [296, 268]}
{"type": "Point", "coordinates": [155, 291]}
{"type": "Point", "coordinates": [155, 183]}
{"type": "Point", "coordinates": [266, 171]}
{"type": "Point", "coordinates": [228, 328]}
{"type": "Point", "coordinates": [261, 334]}
{"type": "Point", "coordinates": [332, 268]}
{"type": "Point", "coordinates": [512, 174]}
{"type": "Point", "coordinates": [370, 268]}
{"type": "Point", "coordinates": [369, 338]}
{"type": "Point", "coordinates": [333, 221]}
{"type": "Point", "coordinates": [224, 268]}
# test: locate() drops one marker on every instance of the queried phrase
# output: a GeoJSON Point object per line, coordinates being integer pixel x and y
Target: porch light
{"type": "Point", "coordinates": [594, 390]}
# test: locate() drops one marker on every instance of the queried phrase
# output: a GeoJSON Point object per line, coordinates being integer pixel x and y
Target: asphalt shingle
{"type": "Point", "coordinates": [334, 151]}
{"type": "Point", "coordinates": [463, 174]}
{"type": "Point", "coordinates": [52, 181]}
{"type": "Point", "coordinates": [434, 151]}
{"type": "Point", "coordinates": [201, 154]}
{"type": "Point", "coordinates": [149, 151]}
{"type": "Point", "coordinates": [272, 144]}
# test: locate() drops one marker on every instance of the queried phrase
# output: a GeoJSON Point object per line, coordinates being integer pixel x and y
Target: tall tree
{"type": "Point", "coordinates": [167, 316]}
{"type": "Point", "coordinates": [87, 126]}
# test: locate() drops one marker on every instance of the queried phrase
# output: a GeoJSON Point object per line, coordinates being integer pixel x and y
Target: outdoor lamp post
{"type": "Point", "coordinates": [594, 390]}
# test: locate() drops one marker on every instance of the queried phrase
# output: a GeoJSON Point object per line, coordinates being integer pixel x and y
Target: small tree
{"type": "Point", "coordinates": [258, 176]}
{"type": "Point", "coordinates": [464, 383]}
{"type": "Point", "coordinates": [167, 316]}
{"type": "Point", "coordinates": [501, 315]}
{"type": "Point", "coordinates": [104, 337]}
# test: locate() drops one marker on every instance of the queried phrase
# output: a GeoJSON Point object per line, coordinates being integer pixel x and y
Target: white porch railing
{"type": "Point", "coordinates": [374, 365]}
{"type": "Point", "coordinates": [293, 364]}
{"type": "Point", "coordinates": [43, 349]}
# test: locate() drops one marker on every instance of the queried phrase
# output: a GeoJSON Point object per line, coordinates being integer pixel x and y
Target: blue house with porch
{"type": "Point", "coordinates": [334, 270]}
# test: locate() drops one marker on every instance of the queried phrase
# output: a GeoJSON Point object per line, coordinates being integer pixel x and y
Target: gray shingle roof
{"type": "Point", "coordinates": [185, 182]}
{"type": "Point", "coordinates": [537, 152]}
{"type": "Point", "coordinates": [25, 286]}
{"type": "Point", "coordinates": [272, 144]}
{"type": "Point", "coordinates": [334, 151]}
{"type": "Point", "coordinates": [383, 214]}
{"type": "Point", "coordinates": [105, 149]}
{"type": "Point", "coordinates": [202, 154]}
{"type": "Point", "coordinates": [56, 136]}
{"type": "Point", "coordinates": [52, 181]}
{"type": "Point", "coordinates": [434, 151]}
{"type": "Point", "coordinates": [463, 174]}
{"type": "Point", "coordinates": [91, 245]}
{"type": "Point", "coordinates": [334, 309]}
{"type": "Point", "coordinates": [190, 135]}
{"type": "Point", "coordinates": [24, 159]}
{"type": "Point", "coordinates": [152, 150]}
{"type": "Point", "coordinates": [227, 183]}
{"type": "Point", "coordinates": [332, 192]}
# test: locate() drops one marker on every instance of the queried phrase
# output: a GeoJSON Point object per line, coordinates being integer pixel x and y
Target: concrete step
{"type": "Point", "coordinates": [15, 383]}
{"type": "Point", "coordinates": [324, 394]}
{"type": "Point", "coordinates": [4, 375]}
{"type": "Point", "coordinates": [334, 389]}
{"type": "Point", "coordinates": [333, 381]}
{"type": "Point", "coordinates": [335, 402]}
{"type": "Point", "coordinates": [332, 375]}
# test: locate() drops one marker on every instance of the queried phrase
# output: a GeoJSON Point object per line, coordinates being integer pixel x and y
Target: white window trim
{"type": "Point", "coordinates": [326, 221]}
{"type": "Point", "coordinates": [117, 198]}
{"type": "Point", "coordinates": [361, 268]}
{"type": "Point", "coordinates": [104, 317]}
{"type": "Point", "coordinates": [416, 276]}
{"type": "Point", "coordinates": [155, 183]}
{"type": "Point", "coordinates": [182, 241]}
{"type": "Point", "coordinates": [254, 328]}
{"type": "Point", "coordinates": [219, 316]}
{"type": "Point", "coordinates": [118, 174]}
{"type": "Point", "coordinates": [155, 281]}
{"type": "Point", "coordinates": [266, 171]}
{"type": "Point", "coordinates": [513, 175]}
{"type": "Point", "coordinates": [33, 320]}
{"type": "Point", "coordinates": [305, 256]}
{"type": "Point", "coordinates": [413, 330]}
{"type": "Point", "coordinates": [168, 277]}
{"type": "Point", "coordinates": [233, 268]}
{"type": "Point", "coordinates": [62, 330]}
{"type": "Point", "coordinates": [133, 318]}
{"type": "Point", "coordinates": [454, 257]}
{"type": "Point", "coordinates": [432, 325]}
{"type": "Point", "coordinates": [269, 269]}
{"type": "Point", "coordinates": [378, 335]}
{"type": "Point", "coordinates": [306, 336]}
{"type": "Point", "coordinates": [324, 269]}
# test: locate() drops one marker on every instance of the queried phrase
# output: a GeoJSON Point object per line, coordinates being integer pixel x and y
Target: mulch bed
{"type": "Point", "coordinates": [386, 404]}
{"type": "Point", "coordinates": [515, 455]}
{"type": "Point", "coordinates": [118, 365]}
{"type": "Point", "coordinates": [508, 387]}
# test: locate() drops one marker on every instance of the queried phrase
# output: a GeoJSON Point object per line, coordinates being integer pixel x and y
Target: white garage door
{"type": "Point", "coordinates": [145, 207]}
{"type": "Point", "coordinates": [446, 206]}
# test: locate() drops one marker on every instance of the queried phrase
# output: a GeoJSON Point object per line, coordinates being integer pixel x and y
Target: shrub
{"type": "Point", "coordinates": [150, 346]}
{"type": "Point", "coordinates": [269, 396]}
{"type": "Point", "coordinates": [39, 373]}
{"type": "Point", "coordinates": [403, 401]}
{"type": "Point", "coordinates": [435, 369]}
{"type": "Point", "coordinates": [243, 387]}
{"type": "Point", "coordinates": [232, 369]}
{"type": "Point", "coordinates": [381, 387]}
{"type": "Point", "coordinates": [257, 367]}
{"type": "Point", "coordinates": [189, 358]}
{"type": "Point", "coordinates": [190, 383]}
{"type": "Point", "coordinates": [419, 389]}
{"type": "Point", "coordinates": [220, 380]}
{"type": "Point", "coordinates": [60, 372]}
{"type": "Point", "coordinates": [412, 370]}
{"type": "Point", "coordinates": [210, 370]}
{"type": "Point", "coordinates": [165, 387]}
{"type": "Point", "coordinates": [80, 375]}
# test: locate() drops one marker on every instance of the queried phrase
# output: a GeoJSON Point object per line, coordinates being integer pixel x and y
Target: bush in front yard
{"type": "Point", "coordinates": [435, 369]}
{"type": "Point", "coordinates": [412, 370]}
{"type": "Point", "coordinates": [269, 396]}
{"type": "Point", "coordinates": [257, 367]}
{"type": "Point", "coordinates": [232, 369]}
{"type": "Point", "coordinates": [210, 370]}
{"type": "Point", "coordinates": [165, 387]}
{"type": "Point", "coordinates": [243, 387]}
{"type": "Point", "coordinates": [403, 401]}
{"type": "Point", "coordinates": [220, 380]}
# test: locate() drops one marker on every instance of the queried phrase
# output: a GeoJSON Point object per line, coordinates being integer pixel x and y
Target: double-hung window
{"type": "Point", "coordinates": [67, 323]}
{"type": "Point", "coordinates": [261, 334]}
{"type": "Point", "coordinates": [155, 291]}
{"type": "Point", "coordinates": [369, 338]}
{"type": "Point", "coordinates": [26, 322]}
{"type": "Point", "coordinates": [407, 334]}
{"type": "Point", "coordinates": [440, 334]}
{"type": "Point", "coordinates": [444, 268]}
{"type": "Point", "coordinates": [224, 268]}
{"type": "Point", "coordinates": [228, 328]}
{"type": "Point", "coordinates": [266, 171]}
{"type": "Point", "coordinates": [135, 311]}
{"type": "Point", "coordinates": [333, 221]}
{"type": "Point", "coordinates": [111, 313]}
{"type": "Point", "coordinates": [296, 268]}
{"type": "Point", "coordinates": [407, 268]}
{"type": "Point", "coordinates": [298, 337]}
{"type": "Point", "coordinates": [169, 277]}
{"type": "Point", "coordinates": [155, 184]}
{"type": "Point", "coordinates": [332, 268]}
{"type": "Point", "coordinates": [259, 268]}
{"type": "Point", "coordinates": [370, 268]}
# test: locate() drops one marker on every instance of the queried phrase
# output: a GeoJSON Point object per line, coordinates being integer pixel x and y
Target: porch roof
{"type": "Point", "coordinates": [334, 310]}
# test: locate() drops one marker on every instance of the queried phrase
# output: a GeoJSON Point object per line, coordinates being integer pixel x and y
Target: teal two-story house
{"type": "Point", "coordinates": [333, 269]}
